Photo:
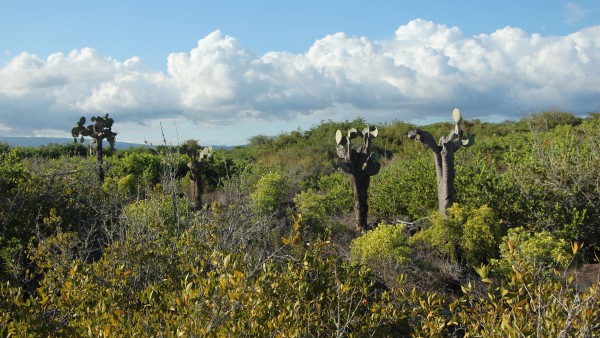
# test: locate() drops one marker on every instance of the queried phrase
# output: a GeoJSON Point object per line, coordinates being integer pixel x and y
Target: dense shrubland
{"type": "Point", "coordinates": [273, 250]}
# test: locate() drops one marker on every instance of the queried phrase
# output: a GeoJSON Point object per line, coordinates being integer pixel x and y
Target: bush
{"type": "Point", "coordinates": [539, 253]}
{"type": "Point", "coordinates": [313, 207]}
{"type": "Point", "coordinates": [464, 235]}
{"type": "Point", "coordinates": [145, 167]}
{"type": "Point", "coordinates": [338, 191]}
{"type": "Point", "coordinates": [386, 243]}
{"type": "Point", "coordinates": [480, 236]}
{"type": "Point", "coordinates": [404, 188]}
{"type": "Point", "coordinates": [269, 193]}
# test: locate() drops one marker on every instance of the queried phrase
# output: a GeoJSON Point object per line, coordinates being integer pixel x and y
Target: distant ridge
{"type": "Point", "coordinates": [44, 141]}
{"type": "Point", "coordinates": [22, 141]}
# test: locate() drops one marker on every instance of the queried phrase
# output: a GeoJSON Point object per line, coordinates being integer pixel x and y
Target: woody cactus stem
{"type": "Point", "coordinates": [100, 130]}
{"type": "Point", "coordinates": [361, 165]}
{"type": "Point", "coordinates": [443, 155]}
{"type": "Point", "coordinates": [196, 165]}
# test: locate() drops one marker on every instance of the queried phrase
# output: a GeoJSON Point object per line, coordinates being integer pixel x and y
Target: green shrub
{"type": "Point", "coordinates": [469, 235]}
{"type": "Point", "coordinates": [539, 253]}
{"type": "Point", "coordinates": [338, 191]}
{"type": "Point", "coordinates": [444, 234]}
{"type": "Point", "coordinates": [404, 188]}
{"type": "Point", "coordinates": [145, 167]}
{"type": "Point", "coordinates": [386, 243]}
{"type": "Point", "coordinates": [269, 193]}
{"type": "Point", "coordinates": [480, 236]}
{"type": "Point", "coordinates": [313, 207]}
{"type": "Point", "coordinates": [127, 185]}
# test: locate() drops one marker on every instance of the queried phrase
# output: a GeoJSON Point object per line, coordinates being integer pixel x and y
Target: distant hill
{"type": "Point", "coordinates": [44, 141]}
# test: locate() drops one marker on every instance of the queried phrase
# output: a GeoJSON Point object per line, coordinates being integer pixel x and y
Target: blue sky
{"type": "Point", "coordinates": [223, 71]}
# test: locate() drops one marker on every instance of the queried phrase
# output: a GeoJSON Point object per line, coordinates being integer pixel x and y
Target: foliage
{"type": "Point", "coordinates": [269, 193]}
{"type": "Point", "coordinates": [338, 196]}
{"type": "Point", "coordinates": [481, 233]}
{"type": "Point", "coordinates": [334, 198]}
{"type": "Point", "coordinates": [132, 259]}
{"type": "Point", "coordinates": [143, 167]}
{"type": "Point", "coordinates": [539, 253]}
{"type": "Point", "coordinates": [51, 151]}
{"type": "Point", "coordinates": [557, 183]}
{"type": "Point", "coordinates": [465, 234]}
{"type": "Point", "coordinates": [214, 294]}
{"type": "Point", "coordinates": [526, 305]}
{"type": "Point", "coordinates": [384, 244]}
{"type": "Point", "coordinates": [404, 188]}
{"type": "Point", "coordinates": [313, 208]}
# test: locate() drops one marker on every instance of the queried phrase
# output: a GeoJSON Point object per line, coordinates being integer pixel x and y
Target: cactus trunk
{"type": "Point", "coordinates": [361, 206]}
{"type": "Point", "coordinates": [197, 170]}
{"type": "Point", "coordinates": [197, 190]}
{"type": "Point", "coordinates": [444, 163]}
{"type": "Point", "coordinates": [361, 165]}
{"type": "Point", "coordinates": [443, 156]}
{"type": "Point", "coordinates": [100, 167]}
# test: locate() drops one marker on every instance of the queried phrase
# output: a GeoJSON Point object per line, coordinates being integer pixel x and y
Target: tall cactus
{"type": "Point", "coordinates": [197, 169]}
{"type": "Point", "coordinates": [361, 165]}
{"type": "Point", "coordinates": [443, 155]}
{"type": "Point", "coordinates": [100, 130]}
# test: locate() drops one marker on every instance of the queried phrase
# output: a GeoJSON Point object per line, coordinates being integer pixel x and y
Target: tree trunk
{"type": "Point", "coordinates": [197, 190]}
{"type": "Point", "coordinates": [443, 156]}
{"type": "Point", "coordinates": [99, 160]}
{"type": "Point", "coordinates": [361, 206]}
{"type": "Point", "coordinates": [445, 176]}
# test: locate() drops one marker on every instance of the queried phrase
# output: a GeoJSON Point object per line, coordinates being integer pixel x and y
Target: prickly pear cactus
{"type": "Point", "coordinates": [443, 153]}
{"type": "Point", "coordinates": [196, 166]}
{"type": "Point", "coordinates": [100, 130]}
{"type": "Point", "coordinates": [361, 164]}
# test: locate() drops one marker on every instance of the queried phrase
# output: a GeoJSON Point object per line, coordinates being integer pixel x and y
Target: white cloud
{"type": "Point", "coordinates": [574, 13]}
{"type": "Point", "coordinates": [426, 69]}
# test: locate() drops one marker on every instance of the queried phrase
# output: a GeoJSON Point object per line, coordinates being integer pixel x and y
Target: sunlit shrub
{"type": "Point", "coordinates": [127, 185]}
{"type": "Point", "coordinates": [404, 188]}
{"type": "Point", "coordinates": [386, 243]}
{"type": "Point", "coordinates": [539, 253]}
{"type": "Point", "coordinates": [338, 191]}
{"type": "Point", "coordinates": [480, 237]}
{"type": "Point", "coordinates": [313, 207]}
{"type": "Point", "coordinates": [269, 193]}
{"type": "Point", "coordinates": [469, 235]}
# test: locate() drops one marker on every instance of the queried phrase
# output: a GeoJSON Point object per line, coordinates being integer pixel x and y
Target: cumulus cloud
{"type": "Point", "coordinates": [426, 69]}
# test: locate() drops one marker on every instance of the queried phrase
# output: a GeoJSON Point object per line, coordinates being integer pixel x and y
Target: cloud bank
{"type": "Point", "coordinates": [426, 69]}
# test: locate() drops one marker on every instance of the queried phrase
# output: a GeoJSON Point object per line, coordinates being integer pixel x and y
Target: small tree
{"type": "Point", "coordinates": [100, 130]}
{"type": "Point", "coordinates": [443, 155]}
{"type": "Point", "coordinates": [197, 169]}
{"type": "Point", "coordinates": [361, 165]}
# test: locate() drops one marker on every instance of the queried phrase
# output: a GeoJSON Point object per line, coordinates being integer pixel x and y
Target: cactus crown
{"type": "Point", "coordinates": [370, 132]}
{"type": "Point", "coordinates": [191, 147]}
{"type": "Point", "coordinates": [458, 132]}
{"type": "Point", "coordinates": [456, 116]}
{"type": "Point", "coordinates": [101, 129]}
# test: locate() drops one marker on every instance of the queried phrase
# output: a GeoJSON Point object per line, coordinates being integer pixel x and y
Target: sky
{"type": "Point", "coordinates": [221, 72]}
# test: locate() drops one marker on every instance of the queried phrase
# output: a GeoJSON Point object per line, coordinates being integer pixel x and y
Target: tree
{"type": "Point", "coordinates": [197, 169]}
{"type": "Point", "coordinates": [100, 130]}
{"type": "Point", "coordinates": [443, 155]}
{"type": "Point", "coordinates": [361, 164]}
